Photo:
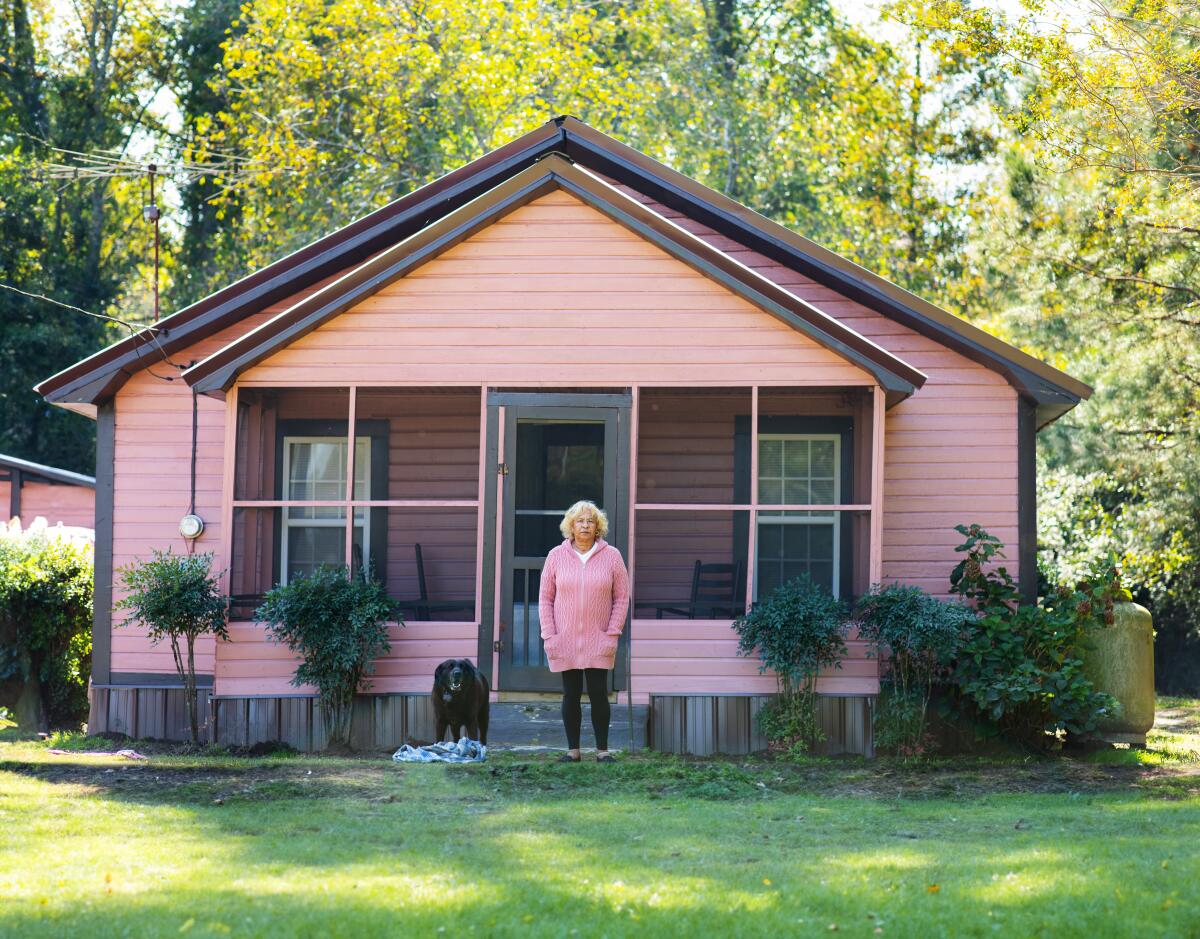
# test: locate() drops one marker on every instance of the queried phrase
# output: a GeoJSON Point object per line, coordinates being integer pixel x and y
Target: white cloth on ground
{"type": "Point", "coordinates": [465, 751]}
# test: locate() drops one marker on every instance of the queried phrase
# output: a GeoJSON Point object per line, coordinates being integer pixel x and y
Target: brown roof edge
{"type": "Point", "coordinates": [217, 373]}
{"type": "Point", "coordinates": [99, 375]}
{"type": "Point", "coordinates": [96, 379]}
{"type": "Point", "coordinates": [684, 193]}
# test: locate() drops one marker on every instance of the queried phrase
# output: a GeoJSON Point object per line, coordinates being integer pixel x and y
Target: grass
{"type": "Point", "coordinates": [211, 844]}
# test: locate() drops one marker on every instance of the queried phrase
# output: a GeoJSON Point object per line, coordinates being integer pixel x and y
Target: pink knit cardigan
{"type": "Point", "coordinates": [582, 607]}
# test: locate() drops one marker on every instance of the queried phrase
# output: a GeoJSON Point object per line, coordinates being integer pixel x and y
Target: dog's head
{"type": "Point", "coordinates": [451, 677]}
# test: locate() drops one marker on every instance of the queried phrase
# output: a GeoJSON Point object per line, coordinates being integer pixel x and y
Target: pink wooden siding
{"type": "Point", "coordinates": [951, 448]}
{"type": "Point", "coordinates": [151, 484]}
{"type": "Point", "coordinates": [251, 664]}
{"type": "Point", "coordinates": [556, 293]}
{"type": "Point", "coordinates": [58, 503]}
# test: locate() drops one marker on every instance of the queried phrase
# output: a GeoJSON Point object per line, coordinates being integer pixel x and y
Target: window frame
{"type": "Point", "coordinates": [348, 513]}
{"type": "Point", "coordinates": [780, 517]}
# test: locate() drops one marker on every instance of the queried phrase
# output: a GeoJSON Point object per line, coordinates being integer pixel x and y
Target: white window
{"type": "Point", "coordinates": [798, 469]}
{"type": "Point", "coordinates": [314, 469]}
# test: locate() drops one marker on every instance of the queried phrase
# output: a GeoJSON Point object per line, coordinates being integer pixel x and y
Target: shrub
{"type": "Point", "coordinates": [46, 624]}
{"type": "Point", "coordinates": [796, 631]}
{"type": "Point", "coordinates": [918, 637]}
{"type": "Point", "coordinates": [337, 623]}
{"type": "Point", "coordinates": [177, 597]}
{"type": "Point", "coordinates": [1020, 666]}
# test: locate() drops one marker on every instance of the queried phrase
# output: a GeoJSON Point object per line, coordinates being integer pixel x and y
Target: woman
{"type": "Point", "coordinates": [583, 602]}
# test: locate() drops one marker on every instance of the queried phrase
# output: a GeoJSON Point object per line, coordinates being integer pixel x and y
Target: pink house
{"type": "Point", "coordinates": [425, 391]}
{"type": "Point", "coordinates": [32, 490]}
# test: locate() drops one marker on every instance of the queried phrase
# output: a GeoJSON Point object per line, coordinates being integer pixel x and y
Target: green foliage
{"type": "Point", "coordinates": [789, 722]}
{"type": "Point", "coordinates": [795, 632]}
{"type": "Point", "coordinates": [177, 598]}
{"type": "Point", "coordinates": [46, 619]}
{"type": "Point", "coordinates": [338, 624]}
{"type": "Point", "coordinates": [1020, 666]}
{"type": "Point", "coordinates": [918, 637]}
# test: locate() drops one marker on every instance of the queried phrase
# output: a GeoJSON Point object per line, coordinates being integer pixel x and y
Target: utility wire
{"type": "Point", "coordinates": [134, 330]}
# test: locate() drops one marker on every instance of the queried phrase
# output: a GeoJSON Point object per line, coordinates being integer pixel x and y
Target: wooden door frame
{"type": "Point", "coordinates": [504, 409]}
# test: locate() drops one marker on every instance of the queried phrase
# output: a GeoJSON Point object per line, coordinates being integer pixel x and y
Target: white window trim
{"type": "Point", "coordinates": [288, 522]}
{"type": "Point", "coordinates": [833, 520]}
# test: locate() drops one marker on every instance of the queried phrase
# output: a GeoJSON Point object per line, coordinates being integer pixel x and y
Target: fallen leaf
{"type": "Point", "coordinates": [767, 881]}
{"type": "Point", "coordinates": [933, 888]}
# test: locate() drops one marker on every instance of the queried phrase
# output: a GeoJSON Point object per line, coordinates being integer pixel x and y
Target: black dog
{"type": "Point", "coordinates": [460, 699]}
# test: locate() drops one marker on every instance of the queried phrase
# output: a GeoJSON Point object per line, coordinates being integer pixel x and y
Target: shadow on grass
{"type": "Point", "coordinates": [455, 853]}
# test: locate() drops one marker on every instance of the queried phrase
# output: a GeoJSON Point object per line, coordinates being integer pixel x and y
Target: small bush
{"type": "Point", "coordinates": [1020, 666]}
{"type": "Point", "coordinates": [46, 621]}
{"type": "Point", "coordinates": [176, 598]}
{"type": "Point", "coordinates": [796, 631]}
{"type": "Point", "coordinates": [337, 623]}
{"type": "Point", "coordinates": [917, 637]}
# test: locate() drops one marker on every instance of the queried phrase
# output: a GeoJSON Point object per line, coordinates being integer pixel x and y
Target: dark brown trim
{"type": "Point", "coordinates": [151, 680]}
{"type": "Point", "coordinates": [15, 482]}
{"type": "Point", "coordinates": [106, 425]}
{"type": "Point", "coordinates": [219, 371]}
{"type": "Point", "coordinates": [102, 374]}
{"type": "Point", "coordinates": [1027, 428]}
{"type": "Point", "coordinates": [1055, 391]}
{"type": "Point", "coordinates": [30, 470]}
{"type": "Point", "coordinates": [93, 380]}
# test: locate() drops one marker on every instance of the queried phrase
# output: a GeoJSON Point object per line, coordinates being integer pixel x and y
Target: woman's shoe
{"type": "Point", "coordinates": [607, 758]}
{"type": "Point", "coordinates": [567, 758]}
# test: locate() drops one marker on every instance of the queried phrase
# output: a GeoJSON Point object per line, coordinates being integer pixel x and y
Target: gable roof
{"type": "Point", "coordinates": [218, 372]}
{"type": "Point", "coordinates": [94, 380]}
{"type": "Point", "coordinates": [50, 473]}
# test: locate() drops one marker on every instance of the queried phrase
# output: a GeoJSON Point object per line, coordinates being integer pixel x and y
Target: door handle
{"type": "Point", "coordinates": [498, 645]}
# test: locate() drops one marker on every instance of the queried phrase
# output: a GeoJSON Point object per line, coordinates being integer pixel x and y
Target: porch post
{"type": "Point", "coordinates": [752, 528]}
{"type": "Point", "coordinates": [877, 438]}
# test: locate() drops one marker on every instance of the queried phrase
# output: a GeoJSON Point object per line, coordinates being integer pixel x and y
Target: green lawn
{"type": "Point", "coordinates": [221, 846]}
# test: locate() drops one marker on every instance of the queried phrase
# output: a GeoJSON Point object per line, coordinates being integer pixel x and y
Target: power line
{"type": "Point", "coordinates": [134, 330]}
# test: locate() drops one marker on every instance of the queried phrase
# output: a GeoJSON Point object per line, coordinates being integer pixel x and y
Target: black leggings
{"type": "Point", "coordinates": [597, 689]}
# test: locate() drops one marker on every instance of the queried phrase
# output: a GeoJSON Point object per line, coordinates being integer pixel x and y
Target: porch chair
{"type": "Point", "coordinates": [715, 591]}
{"type": "Point", "coordinates": [423, 607]}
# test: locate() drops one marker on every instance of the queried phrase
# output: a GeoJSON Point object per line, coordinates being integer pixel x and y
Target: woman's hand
{"type": "Point", "coordinates": [608, 644]}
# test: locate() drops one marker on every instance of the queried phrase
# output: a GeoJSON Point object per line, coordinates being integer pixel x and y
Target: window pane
{"type": "Point", "coordinates": [795, 492]}
{"type": "Point", "coordinates": [823, 492]}
{"type": "Point", "coordinates": [821, 542]}
{"type": "Point", "coordinates": [311, 546]}
{"type": "Point", "coordinates": [770, 458]}
{"type": "Point", "coordinates": [795, 464]}
{"type": "Point", "coordinates": [823, 458]}
{"type": "Point", "coordinates": [770, 491]}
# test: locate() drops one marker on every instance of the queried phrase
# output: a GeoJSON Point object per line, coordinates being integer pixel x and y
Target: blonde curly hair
{"type": "Point", "coordinates": [578, 509]}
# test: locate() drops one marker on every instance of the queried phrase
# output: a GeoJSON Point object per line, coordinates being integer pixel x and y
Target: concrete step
{"type": "Point", "coordinates": [537, 724]}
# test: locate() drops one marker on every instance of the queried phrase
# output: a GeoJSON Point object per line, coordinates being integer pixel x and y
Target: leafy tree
{"type": "Point", "coordinates": [338, 624]}
{"type": "Point", "coordinates": [86, 87]}
{"type": "Point", "coordinates": [45, 626]}
{"type": "Point", "coordinates": [177, 598]}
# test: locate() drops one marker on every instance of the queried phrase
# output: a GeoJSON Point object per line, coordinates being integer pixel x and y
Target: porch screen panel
{"type": "Point", "coordinates": [265, 416]}
{"type": "Point", "coordinates": [408, 517]}
{"type": "Point", "coordinates": [686, 444]}
{"type": "Point", "coordinates": [670, 545]}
